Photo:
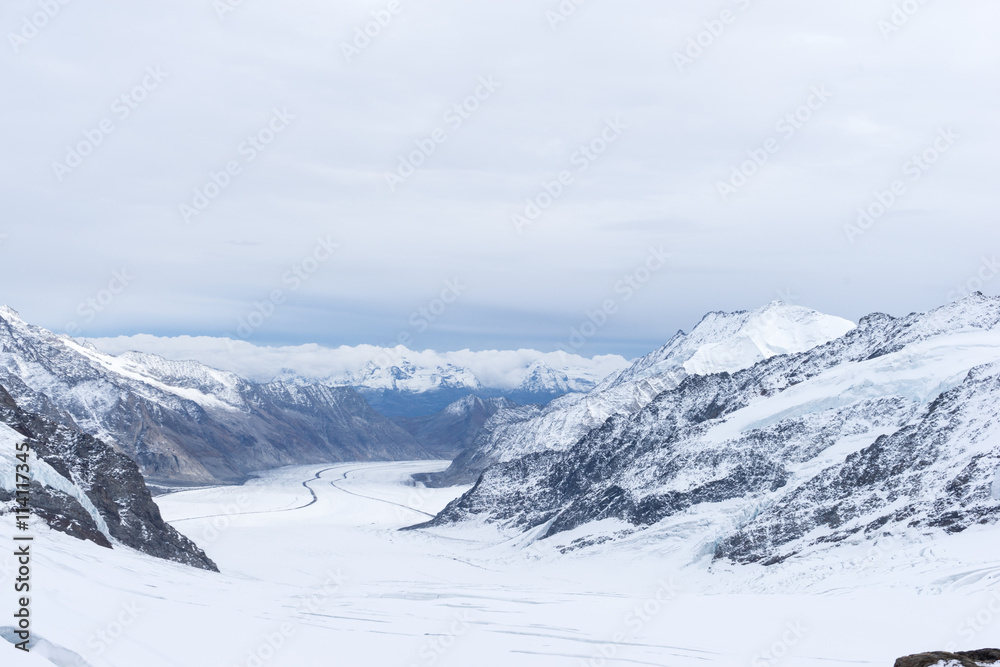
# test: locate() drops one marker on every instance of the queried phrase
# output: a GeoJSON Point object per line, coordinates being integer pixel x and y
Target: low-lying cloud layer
{"type": "Point", "coordinates": [495, 369]}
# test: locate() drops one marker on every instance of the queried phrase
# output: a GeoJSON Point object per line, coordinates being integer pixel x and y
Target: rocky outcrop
{"type": "Point", "coordinates": [980, 658]}
{"type": "Point", "coordinates": [892, 428]}
{"type": "Point", "coordinates": [73, 469]}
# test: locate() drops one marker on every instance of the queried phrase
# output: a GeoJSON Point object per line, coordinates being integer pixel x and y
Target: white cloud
{"type": "Point", "coordinates": [500, 369]}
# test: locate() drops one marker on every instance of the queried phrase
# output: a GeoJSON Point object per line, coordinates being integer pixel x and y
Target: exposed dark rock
{"type": "Point", "coordinates": [61, 512]}
{"type": "Point", "coordinates": [109, 479]}
{"type": "Point", "coordinates": [980, 658]}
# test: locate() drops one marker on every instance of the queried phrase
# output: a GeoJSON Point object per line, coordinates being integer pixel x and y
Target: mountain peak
{"type": "Point", "coordinates": [8, 313]}
{"type": "Point", "coordinates": [541, 377]}
{"type": "Point", "coordinates": [733, 341]}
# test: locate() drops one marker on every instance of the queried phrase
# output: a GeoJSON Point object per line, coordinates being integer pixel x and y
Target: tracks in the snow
{"type": "Point", "coordinates": [308, 488]}
{"type": "Point", "coordinates": [313, 500]}
{"type": "Point", "coordinates": [343, 476]}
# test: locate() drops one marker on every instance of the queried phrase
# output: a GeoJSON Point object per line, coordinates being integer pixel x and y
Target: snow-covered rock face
{"type": "Point", "coordinates": [407, 389]}
{"type": "Point", "coordinates": [720, 342]}
{"type": "Point", "coordinates": [408, 377]}
{"type": "Point", "coordinates": [775, 329]}
{"type": "Point", "coordinates": [543, 380]}
{"type": "Point", "coordinates": [183, 421]}
{"type": "Point", "coordinates": [892, 428]}
{"type": "Point", "coordinates": [728, 342]}
{"type": "Point", "coordinates": [82, 487]}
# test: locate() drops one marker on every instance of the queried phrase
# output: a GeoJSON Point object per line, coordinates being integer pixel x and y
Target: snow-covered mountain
{"type": "Point", "coordinates": [542, 383]}
{"type": "Point", "coordinates": [448, 432]}
{"type": "Point", "coordinates": [408, 377]}
{"type": "Point", "coordinates": [720, 342]}
{"type": "Point", "coordinates": [397, 381]}
{"type": "Point", "coordinates": [892, 429]}
{"type": "Point", "coordinates": [406, 389]}
{"type": "Point", "coordinates": [82, 487]}
{"type": "Point", "coordinates": [183, 421]}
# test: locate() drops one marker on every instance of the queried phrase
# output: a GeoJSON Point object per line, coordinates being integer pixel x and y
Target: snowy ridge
{"type": "Point", "coordinates": [720, 342]}
{"type": "Point", "coordinates": [542, 379]}
{"type": "Point", "coordinates": [408, 377]}
{"type": "Point", "coordinates": [184, 421]}
{"type": "Point", "coordinates": [727, 342]}
{"type": "Point", "coordinates": [891, 429]}
{"type": "Point", "coordinates": [148, 370]}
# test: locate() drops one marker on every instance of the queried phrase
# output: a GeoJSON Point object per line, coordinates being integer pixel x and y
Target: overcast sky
{"type": "Point", "coordinates": [671, 97]}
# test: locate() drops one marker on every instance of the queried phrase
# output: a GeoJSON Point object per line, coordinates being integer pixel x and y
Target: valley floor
{"type": "Point", "coordinates": [315, 573]}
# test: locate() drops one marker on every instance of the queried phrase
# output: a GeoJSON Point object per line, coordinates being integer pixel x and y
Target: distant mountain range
{"type": "Point", "coordinates": [397, 382]}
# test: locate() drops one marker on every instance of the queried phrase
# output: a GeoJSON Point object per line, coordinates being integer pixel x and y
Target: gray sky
{"type": "Point", "coordinates": [331, 122]}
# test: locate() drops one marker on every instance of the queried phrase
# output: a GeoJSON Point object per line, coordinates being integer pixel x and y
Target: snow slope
{"type": "Point", "coordinates": [319, 574]}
